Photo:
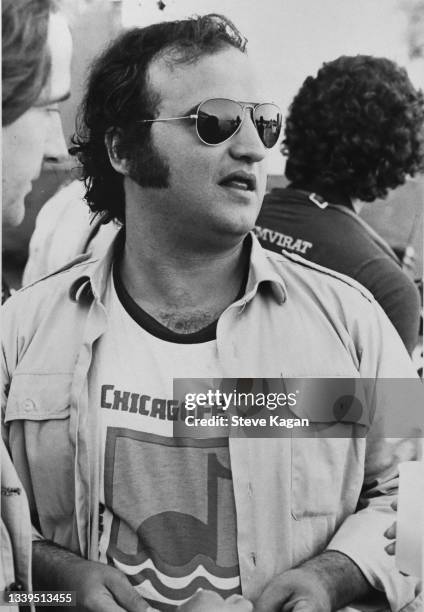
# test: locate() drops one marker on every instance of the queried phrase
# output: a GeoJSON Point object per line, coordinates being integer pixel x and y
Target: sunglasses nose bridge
{"type": "Point", "coordinates": [251, 108]}
{"type": "Point", "coordinates": [243, 108]}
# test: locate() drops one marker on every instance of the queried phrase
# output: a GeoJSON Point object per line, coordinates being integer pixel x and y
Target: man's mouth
{"type": "Point", "coordinates": [239, 180]}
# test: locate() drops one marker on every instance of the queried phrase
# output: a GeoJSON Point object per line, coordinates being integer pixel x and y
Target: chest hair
{"type": "Point", "coordinates": [186, 322]}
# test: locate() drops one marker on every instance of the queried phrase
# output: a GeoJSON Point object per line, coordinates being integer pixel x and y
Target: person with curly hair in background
{"type": "Point", "coordinates": [353, 132]}
{"type": "Point", "coordinates": [36, 53]}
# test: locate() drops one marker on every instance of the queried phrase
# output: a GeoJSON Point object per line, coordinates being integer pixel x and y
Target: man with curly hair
{"type": "Point", "coordinates": [353, 132]}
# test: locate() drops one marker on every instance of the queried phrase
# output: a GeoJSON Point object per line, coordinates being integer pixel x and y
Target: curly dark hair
{"type": "Point", "coordinates": [357, 127]}
{"type": "Point", "coordinates": [118, 95]}
{"type": "Point", "coordinates": [25, 54]}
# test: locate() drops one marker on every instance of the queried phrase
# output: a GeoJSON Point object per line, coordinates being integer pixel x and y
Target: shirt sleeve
{"type": "Point", "coordinates": [8, 362]}
{"type": "Point", "coordinates": [395, 435]}
{"type": "Point", "coordinates": [396, 294]}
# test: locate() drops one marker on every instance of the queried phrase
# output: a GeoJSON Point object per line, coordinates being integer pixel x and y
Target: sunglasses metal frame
{"type": "Point", "coordinates": [242, 105]}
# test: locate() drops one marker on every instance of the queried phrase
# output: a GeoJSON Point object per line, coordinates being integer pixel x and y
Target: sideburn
{"type": "Point", "coordinates": [147, 167]}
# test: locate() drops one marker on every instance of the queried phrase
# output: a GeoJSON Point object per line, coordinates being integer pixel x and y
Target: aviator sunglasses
{"type": "Point", "coordinates": [219, 119]}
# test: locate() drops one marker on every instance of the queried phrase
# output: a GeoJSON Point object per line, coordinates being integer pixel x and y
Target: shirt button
{"type": "Point", "coordinates": [28, 405]}
{"type": "Point", "coordinates": [253, 558]}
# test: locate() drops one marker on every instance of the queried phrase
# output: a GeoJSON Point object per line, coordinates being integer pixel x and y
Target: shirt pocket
{"type": "Point", "coordinates": [38, 415]}
{"type": "Point", "coordinates": [326, 476]}
{"type": "Point", "coordinates": [327, 465]}
{"type": "Point", "coordinates": [38, 397]}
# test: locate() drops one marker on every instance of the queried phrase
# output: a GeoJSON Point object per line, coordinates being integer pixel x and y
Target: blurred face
{"type": "Point", "coordinates": [212, 190]}
{"type": "Point", "coordinates": [37, 134]}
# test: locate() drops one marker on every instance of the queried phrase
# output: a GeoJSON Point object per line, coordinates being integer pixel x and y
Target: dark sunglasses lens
{"type": "Point", "coordinates": [268, 123]}
{"type": "Point", "coordinates": [218, 120]}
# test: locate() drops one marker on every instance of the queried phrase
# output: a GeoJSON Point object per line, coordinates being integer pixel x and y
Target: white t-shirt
{"type": "Point", "coordinates": [167, 504]}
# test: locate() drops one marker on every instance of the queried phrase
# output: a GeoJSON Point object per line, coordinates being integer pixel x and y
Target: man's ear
{"type": "Point", "coordinates": [112, 139]}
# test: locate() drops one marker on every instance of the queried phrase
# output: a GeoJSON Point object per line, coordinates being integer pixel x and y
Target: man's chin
{"type": "Point", "coordinates": [234, 233]}
{"type": "Point", "coordinates": [13, 213]}
{"type": "Point", "coordinates": [242, 224]}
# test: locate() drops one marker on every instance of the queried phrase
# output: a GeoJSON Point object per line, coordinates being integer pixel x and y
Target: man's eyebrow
{"type": "Point", "coordinates": [44, 101]}
{"type": "Point", "coordinates": [192, 110]}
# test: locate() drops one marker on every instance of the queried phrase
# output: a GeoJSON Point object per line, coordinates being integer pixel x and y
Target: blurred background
{"type": "Point", "coordinates": [288, 40]}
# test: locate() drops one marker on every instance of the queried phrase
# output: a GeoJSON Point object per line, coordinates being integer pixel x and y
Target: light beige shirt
{"type": "Point", "coordinates": [294, 497]}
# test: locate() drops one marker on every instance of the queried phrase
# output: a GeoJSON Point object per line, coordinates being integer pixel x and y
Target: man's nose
{"type": "Point", "coordinates": [55, 149]}
{"type": "Point", "coordinates": [246, 144]}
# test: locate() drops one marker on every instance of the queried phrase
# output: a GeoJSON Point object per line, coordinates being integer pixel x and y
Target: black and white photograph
{"type": "Point", "coordinates": [212, 306]}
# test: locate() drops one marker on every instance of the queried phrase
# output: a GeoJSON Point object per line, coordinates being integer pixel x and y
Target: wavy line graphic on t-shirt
{"type": "Point", "coordinates": [165, 528]}
{"type": "Point", "coordinates": [156, 600]}
{"type": "Point", "coordinates": [182, 582]}
{"type": "Point", "coordinates": [166, 586]}
{"type": "Point", "coordinates": [190, 537]}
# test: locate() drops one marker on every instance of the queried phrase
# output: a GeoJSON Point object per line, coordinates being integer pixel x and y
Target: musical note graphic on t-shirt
{"type": "Point", "coordinates": [173, 512]}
